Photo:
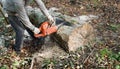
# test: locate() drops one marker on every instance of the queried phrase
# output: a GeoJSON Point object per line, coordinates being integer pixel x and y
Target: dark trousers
{"type": "Point", "coordinates": [19, 29]}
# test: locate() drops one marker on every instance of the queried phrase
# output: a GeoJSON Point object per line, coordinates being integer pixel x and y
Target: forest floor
{"type": "Point", "coordinates": [103, 54]}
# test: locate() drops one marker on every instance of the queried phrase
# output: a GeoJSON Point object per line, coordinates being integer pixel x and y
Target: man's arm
{"type": "Point", "coordinates": [44, 10]}
{"type": "Point", "coordinates": [20, 9]}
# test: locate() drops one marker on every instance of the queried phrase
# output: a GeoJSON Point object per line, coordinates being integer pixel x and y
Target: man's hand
{"type": "Point", "coordinates": [51, 19]}
{"type": "Point", "coordinates": [36, 31]}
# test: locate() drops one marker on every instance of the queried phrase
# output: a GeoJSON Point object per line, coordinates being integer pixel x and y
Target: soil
{"type": "Point", "coordinates": [107, 29]}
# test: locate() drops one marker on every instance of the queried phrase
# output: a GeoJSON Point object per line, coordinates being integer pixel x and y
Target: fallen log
{"type": "Point", "coordinates": [70, 38]}
{"type": "Point", "coordinates": [77, 33]}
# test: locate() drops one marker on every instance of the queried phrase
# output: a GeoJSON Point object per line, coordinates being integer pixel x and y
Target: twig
{"type": "Point", "coordinates": [33, 60]}
{"type": "Point", "coordinates": [113, 47]}
{"type": "Point", "coordinates": [88, 56]}
{"type": "Point", "coordinates": [32, 63]}
{"type": "Point", "coordinates": [3, 15]}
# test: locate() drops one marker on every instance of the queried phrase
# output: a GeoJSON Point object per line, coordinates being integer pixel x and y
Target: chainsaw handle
{"type": "Point", "coordinates": [46, 30]}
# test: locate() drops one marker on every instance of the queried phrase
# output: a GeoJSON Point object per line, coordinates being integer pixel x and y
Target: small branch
{"type": "Point", "coordinates": [32, 63]}
{"type": "Point", "coordinates": [88, 56]}
{"type": "Point", "coordinates": [3, 15]}
{"type": "Point", "coordinates": [33, 60]}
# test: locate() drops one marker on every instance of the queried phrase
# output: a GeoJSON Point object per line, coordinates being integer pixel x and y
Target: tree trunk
{"type": "Point", "coordinates": [70, 38]}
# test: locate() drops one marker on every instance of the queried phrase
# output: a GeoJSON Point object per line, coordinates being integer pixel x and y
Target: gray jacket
{"type": "Point", "coordinates": [18, 7]}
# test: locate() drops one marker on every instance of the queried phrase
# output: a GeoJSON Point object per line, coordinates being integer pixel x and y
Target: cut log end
{"type": "Point", "coordinates": [80, 36]}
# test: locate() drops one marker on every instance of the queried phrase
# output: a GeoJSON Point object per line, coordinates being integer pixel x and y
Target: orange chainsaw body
{"type": "Point", "coordinates": [46, 29]}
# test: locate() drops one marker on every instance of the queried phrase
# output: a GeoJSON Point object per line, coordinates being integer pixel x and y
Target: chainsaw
{"type": "Point", "coordinates": [46, 29]}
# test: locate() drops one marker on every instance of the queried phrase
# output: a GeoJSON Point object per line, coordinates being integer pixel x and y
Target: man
{"type": "Point", "coordinates": [19, 20]}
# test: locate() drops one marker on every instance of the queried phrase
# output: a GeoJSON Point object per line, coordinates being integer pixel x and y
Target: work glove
{"type": "Point", "coordinates": [51, 19]}
{"type": "Point", "coordinates": [36, 31]}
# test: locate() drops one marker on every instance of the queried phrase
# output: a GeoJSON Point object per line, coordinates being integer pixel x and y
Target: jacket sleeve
{"type": "Point", "coordinates": [42, 7]}
{"type": "Point", "coordinates": [22, 14]}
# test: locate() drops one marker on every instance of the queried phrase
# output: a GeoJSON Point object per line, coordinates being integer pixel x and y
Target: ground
{"type": "Point", "coordinates": [103, 54]}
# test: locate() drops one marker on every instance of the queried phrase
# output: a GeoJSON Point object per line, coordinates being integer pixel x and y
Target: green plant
{"type": "Point", "coordinates": [4, 67]}
{"type": "Point", "coordinates": [117, 67]}
{"type": "Point", "coordinates": [114, 27]}
{"type": "Point", "coordinates": [16, 64]}
{"type": "Point", "coordinates": [105, 52]}
{"type": "Point", "coordinates": [112, 57]}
